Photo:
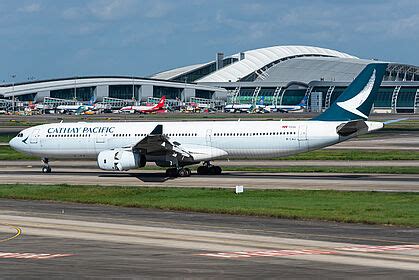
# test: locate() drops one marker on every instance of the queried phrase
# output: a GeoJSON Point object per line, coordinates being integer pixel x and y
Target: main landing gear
{"type": "Point", "coordinates": [46, 168]}
{"type": "Point", "coordinates": [209, 169]}
{"type": "Point", "coordinates": [178, 172]}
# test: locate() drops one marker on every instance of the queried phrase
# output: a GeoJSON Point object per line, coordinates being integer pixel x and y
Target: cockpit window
{"type": "Point", "coordinates": [20, 135]}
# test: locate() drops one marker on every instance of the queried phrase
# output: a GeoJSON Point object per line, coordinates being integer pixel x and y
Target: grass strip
{"type": "Point", "coordinates": [337, 154]}
{"type": "Point", "coordinates": [7, 153]}
{"type": "Point", "coordinates": [5, 138]}
{"type": "Point", "coordinates": [340, 206]}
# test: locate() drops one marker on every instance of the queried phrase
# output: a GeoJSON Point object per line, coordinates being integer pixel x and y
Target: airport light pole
{"type": "Point", "coordinates": [13, 92]}
{"type": "Point", "coordinates": [75, 88]}
{"type": "Point", "coordinates": [133, 89]}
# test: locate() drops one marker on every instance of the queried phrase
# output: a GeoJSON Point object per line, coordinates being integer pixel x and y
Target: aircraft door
{"type": "Point", "coordinates": [209, 137]}
{"type": "Point", "coordinates": [302, 132]}
{"type": "Point", "coordinates": [302, 137]}
{"type": "Point", "coordinates": [100, 142]}
{"type": "Point", "coordinates": [34, 136]}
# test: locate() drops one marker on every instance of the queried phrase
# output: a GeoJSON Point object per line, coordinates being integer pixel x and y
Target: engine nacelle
{"type": "Point", "coordinates": [120, 160]}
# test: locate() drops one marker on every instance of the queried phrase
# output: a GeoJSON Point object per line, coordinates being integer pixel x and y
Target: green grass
{"type": "Point", "coordinates": [5, 138]}
{"type": "Point", "coordinates": [341, 206]}
{"type": "Point", "coordinates": [332, 154]}
{"type": "Point", "coordinates": [7, 153]}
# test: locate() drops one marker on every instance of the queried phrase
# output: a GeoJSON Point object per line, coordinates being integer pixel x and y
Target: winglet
{"type": "Point", "coordinates": [158, 130]}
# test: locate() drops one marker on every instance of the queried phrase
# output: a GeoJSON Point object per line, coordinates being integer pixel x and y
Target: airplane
{"type": "Point", "coordinates": [124, 146]}
{"type": "Point", "coordinates": [288, 108]}
{"type": "Point", "coordinates": [238, 108]}
{"type": "Point", "coordinates": [146, 109]}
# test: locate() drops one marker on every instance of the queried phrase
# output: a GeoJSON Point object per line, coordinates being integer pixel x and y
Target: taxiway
{"type": "Point", "coordinates": [85, 173]}
{"type": "Point", "coordinates": [68, 241]}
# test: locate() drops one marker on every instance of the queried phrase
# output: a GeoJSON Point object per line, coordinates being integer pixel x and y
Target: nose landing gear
{"type": "Point", "coordinates": [46, 168]}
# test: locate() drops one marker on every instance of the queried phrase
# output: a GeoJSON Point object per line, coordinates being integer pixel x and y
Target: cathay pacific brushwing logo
{"type": "Point", "coordinates": [355, 102]}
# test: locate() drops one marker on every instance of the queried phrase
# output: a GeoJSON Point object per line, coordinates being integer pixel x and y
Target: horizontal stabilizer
{"type": "Point", "coordinates": [395, 121]}
{"type": "Point", "coordinates": [349, 128]}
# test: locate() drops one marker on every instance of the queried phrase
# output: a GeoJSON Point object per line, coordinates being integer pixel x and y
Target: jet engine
{"type": "Point", "coordinates": [120, 160]}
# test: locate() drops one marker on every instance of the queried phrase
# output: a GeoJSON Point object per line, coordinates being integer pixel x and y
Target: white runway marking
{"type": "Point", "coordinates": [285, 253]}
{"type": "Point", "coordinates": [32, 256]}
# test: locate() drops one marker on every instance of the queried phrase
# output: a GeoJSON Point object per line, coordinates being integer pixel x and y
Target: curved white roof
{"type": "Point", "coordinates": [257, 59]}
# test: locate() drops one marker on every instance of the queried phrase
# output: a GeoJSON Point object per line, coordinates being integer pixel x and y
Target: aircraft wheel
{"type": "Point", "coordinates": [202, 170]}
{"type": "Point", "coordinates": [184, 172]}
{"type": "Point", "coordinates": [46, 169]}
{"type": "Point", "coordinates": [217, 170]}
{"type": "Point", "coordinates": [188, 172]}
{"type": "Point", "coordinates": [211, 170]}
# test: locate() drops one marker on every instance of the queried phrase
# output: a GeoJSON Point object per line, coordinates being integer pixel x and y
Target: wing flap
{"type": "Point", "coordinates": [158, 144]}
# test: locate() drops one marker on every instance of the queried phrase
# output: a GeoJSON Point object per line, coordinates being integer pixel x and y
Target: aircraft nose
{"type": "Point", "coordinates": [13, 143]}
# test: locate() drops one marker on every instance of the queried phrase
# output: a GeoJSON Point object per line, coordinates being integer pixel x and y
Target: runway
{"type": "Point", "coordinates": [89, 175]}
{"type": "Point", "coordinates": [111, 242]}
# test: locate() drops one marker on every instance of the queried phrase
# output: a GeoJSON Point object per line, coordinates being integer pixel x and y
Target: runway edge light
{"type": "Point", "coordinates": [239, 189]}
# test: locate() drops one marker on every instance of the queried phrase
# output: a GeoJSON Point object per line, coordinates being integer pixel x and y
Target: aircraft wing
{"type": "Point", "coordinates": [160, 147]}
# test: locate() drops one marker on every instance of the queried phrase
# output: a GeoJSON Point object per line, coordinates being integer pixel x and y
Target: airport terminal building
{"type": "Point", "coordinates": [279, 75]}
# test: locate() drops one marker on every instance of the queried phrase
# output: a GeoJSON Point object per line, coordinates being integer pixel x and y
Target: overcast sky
{"type": "Point", "coordinates": [50, 38]}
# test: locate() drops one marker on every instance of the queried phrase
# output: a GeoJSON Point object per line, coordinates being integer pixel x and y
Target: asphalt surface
{"type": "Point", "coordinates": [44, 240]}
{"type": "Point", "coordinates": [248, 163]}
{"type": "Point", "coordinates": [30, 174]}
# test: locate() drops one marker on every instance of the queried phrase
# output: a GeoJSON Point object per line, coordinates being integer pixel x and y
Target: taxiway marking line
{"type": "Point", "coordinates": [18, 232]}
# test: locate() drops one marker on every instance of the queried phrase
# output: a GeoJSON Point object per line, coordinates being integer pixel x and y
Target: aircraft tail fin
{"type": "Point", "coordinates": [356, 101]}
{"type": "Point", "coordinates": [303, 102]}
{"type": "Point", "coordinates": [161, 102]}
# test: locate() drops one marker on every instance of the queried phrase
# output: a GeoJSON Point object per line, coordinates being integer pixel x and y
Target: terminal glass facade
{"type": "Point", "coordinates": [406, 99]}
{"type": "Point", "coordinates": [169, 92]}
{"type": "Point", "coordinates": [80, 94]}
{"type": "Point", "coordinates": [383, 98]}
{"type": "Point", "coordinates": [336, 93]}
{"type": "Point", "coordinates": [266, 96]}
{"type": "Point", "coordinates": [293, 96]}
{"type": "Point", "coordinates": [124, 91]}
{"type": "Point", "coordinates": [246, 95]}
{"type": "Point", "coordinates": [26, 97]}
{"type": "Point", "coordinates": [204, 94]}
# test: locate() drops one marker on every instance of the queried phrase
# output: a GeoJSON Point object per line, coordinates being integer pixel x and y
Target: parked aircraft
{"type": "Point", "coordinates": [146, 109]}
{"type": "Point", "coordinates": [288, 108]}
{"type": "Point", "coordinates": [123, 146]}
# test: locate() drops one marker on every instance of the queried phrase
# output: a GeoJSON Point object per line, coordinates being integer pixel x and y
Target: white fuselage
{"type": "Point", "coordinates": [240, 139]}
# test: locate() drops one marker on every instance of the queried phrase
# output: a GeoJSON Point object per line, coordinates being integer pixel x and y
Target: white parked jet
{"type": "Point", "coordinates": [124, 146]}
{"type": "Point", "coordinates": [288, 108]}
